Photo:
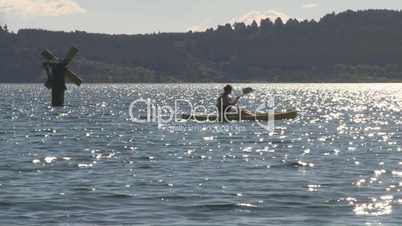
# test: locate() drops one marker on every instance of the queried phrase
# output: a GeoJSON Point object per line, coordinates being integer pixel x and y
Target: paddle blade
{"type": "Point", "coordinates": [72, 77]}
{"type": "Point", "coordinates": [70, 55]}
{"type": "Point", "coordinates": [49, 55]}
{"type": "Point", "coordinates": [247, 90]}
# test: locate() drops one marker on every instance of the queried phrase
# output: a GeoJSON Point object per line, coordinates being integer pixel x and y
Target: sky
{"type": "Point", "coordinates": [148, 16]}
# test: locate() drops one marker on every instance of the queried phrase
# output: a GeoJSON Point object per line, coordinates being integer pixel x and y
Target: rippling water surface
{"type": "Point", "coordinates": [338, 163]}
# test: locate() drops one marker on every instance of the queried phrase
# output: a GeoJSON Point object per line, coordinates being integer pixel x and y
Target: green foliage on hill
{"type": "Point", "coordinates": [352, 46]}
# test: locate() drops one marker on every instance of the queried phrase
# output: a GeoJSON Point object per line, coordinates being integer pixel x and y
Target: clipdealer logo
{"type": "Point", "coordinates": [143, 111]}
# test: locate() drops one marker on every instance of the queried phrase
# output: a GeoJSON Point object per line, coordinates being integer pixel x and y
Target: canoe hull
{"type": "Point", "coordinates": [237, 117]}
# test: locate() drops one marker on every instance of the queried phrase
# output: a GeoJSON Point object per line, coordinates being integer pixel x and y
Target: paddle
{"type": "Point", "coordinates": [246, 91]}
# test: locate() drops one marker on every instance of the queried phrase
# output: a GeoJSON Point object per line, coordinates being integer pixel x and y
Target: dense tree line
{"type": "Point", "coordinates": [350, 46]}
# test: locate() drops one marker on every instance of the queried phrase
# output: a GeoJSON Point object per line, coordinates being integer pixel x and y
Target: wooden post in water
{"type": "Point", "coordinates": [57, 73]}
{"type": "Point", "coordinates": [57, 97]}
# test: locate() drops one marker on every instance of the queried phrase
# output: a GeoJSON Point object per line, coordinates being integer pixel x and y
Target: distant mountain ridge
{"type": "Point", "coordinates": [352, 46]}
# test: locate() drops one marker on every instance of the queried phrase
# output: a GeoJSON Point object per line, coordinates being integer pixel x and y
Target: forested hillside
{"type": "Point", "coordinates": [363, 46]}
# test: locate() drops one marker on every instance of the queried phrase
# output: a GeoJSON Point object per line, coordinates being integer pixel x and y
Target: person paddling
{"type": "Point", "coordinates": [227, 104]}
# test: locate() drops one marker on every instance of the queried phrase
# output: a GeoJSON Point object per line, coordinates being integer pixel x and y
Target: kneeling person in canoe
{"type": "Point", "coordinates": [226, 104]}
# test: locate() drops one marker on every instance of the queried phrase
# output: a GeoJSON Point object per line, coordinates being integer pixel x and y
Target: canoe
{"type": "Point", "coordinates": [236, 117]}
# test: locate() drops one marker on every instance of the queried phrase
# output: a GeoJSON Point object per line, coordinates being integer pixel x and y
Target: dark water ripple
{"type": "Point", "coordinates": [338, 163]}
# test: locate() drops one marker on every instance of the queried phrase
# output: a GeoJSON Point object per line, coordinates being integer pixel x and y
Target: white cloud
{"type": "Point", "coordinates": [246, 18]}
{"type": "Point", "coordinates": [198, 28]}
{"type": "Point", "coordinates": [309, 5]}
{"type": "Point", "coordinates": [40, 7]}
{"type": "Point", "coordinates": [257, 16]}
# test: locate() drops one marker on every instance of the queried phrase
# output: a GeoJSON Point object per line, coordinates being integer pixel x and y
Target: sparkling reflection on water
{"type": "Point", "coordinates": [338, 163]}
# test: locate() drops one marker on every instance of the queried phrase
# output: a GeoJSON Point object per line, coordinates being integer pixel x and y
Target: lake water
{"type": "Point", "coordinates": [338, 163]}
